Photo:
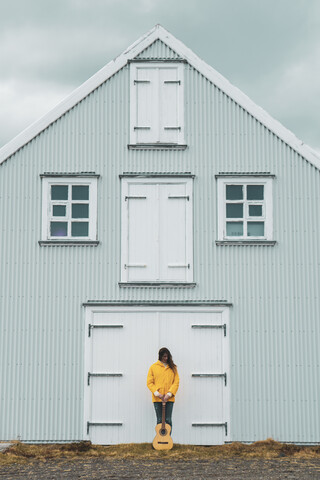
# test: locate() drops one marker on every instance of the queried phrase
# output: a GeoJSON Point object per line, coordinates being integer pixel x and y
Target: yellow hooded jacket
{"type": "Point", "coordinates": [163, 380]}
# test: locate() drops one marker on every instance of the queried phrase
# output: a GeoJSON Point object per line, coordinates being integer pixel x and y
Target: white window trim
{"type": "Point", "coordinates": [125, 182]}
{"type": "Point", "coordinates": [268, 207]}
{"type": "Point", "coordinates": [47, 203]}
{"type": "Point", "coordinates": [133, 103]}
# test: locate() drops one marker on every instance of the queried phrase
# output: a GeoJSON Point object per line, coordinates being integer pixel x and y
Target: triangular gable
{"type": "Point", "coordinates": [158, 51]}
{"type": "Point", "coordinates": [141, 45]}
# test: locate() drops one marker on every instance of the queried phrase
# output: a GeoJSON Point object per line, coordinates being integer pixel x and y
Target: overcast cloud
{"type": "Point", "coordinates": [270, 49]}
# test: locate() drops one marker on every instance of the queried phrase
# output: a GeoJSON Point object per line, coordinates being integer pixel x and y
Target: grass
{"type": "Point", "coordinates": [267, 449]}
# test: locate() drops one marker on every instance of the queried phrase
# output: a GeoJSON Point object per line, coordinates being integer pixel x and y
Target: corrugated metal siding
{"type": "Point", "coordinates": [274, 290]}
{"type": "Point", "coordinates": [158, 50]}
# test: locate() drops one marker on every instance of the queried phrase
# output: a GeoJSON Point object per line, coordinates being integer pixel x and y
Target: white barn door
{"type": "Point", "coordinates": [121, 344]}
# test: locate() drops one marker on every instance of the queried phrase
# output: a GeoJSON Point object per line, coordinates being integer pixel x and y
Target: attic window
{"type": "Point", "coordinates": [245, 209]}
{"type": "Point", "coordinates": [156, 104]}
{"type": "Point", "coordinates": [69, 209]}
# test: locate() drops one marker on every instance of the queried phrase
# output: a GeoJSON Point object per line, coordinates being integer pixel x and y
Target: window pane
{"type": "Point", "coordinates": [59, 229]}
{"type": "Point", "coordinates": [255, 210]}
{"type": "Point", "coordinates": [255, 192]}
{"type": "Point", "coordinates": [80, 229]}
{"type": "Point", "coordinates": [255, 229]}
{"type": "Point", "coordinates": [80, 210]}
{"type": "Point", "coordinates": [234, 210]}
{"type": "Point", "coordinates": [234, 192]}
{"type": "Point", "coordinates": [59, 192]}
{"type": "Point", "coordinates": [234, 229]}
{"type": "Point", "coordinates": [80, 192]}
{"type": "Point", "coordinates": [59, 211]}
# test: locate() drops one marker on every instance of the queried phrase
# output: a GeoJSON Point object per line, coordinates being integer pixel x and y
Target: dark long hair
{"type": "Point", "coordinates": [171, 363]}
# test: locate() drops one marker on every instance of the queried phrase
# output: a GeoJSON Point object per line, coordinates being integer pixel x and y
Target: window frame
{"type": "Point", "coordinates": [48, 203]}
{"type": "Point", "coordinates": [125, 182]}
{"type": "Point", "coordinates": [267, 208]}
{"type": "Point", "coordinates": [154, 143]}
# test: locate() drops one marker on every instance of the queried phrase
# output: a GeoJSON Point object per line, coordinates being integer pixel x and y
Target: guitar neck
{"type": "Point", "coordinates": [163, 415]}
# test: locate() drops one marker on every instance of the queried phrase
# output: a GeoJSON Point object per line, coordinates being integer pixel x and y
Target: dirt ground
{"type": "Point", "coordinates": [103, 468]}
{"type": "Point", "coordinates": [265, 460]}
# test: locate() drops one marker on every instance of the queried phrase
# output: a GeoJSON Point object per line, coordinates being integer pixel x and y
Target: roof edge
{"type": "Point", "coordinates": [158, 32]}
{"type": "Point", "coordinates": [77, 95]}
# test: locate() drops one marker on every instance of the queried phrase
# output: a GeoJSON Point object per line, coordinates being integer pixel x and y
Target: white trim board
{"type": "Point", "coordinates": [160, 33]}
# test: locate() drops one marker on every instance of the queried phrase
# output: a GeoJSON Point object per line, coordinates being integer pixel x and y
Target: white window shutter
{"type": "Point", "coordinates": [145, 126]}
{"type": "Point", "coordinates": [170, 85]}
{"type": "Point", "coordinates": [156, 104]}
{"type": "Point", "coordinates": [142, 237]}
{"type": "Point", "coordinates": [157, 230]}
{"type": "Point", "coordinates": [175, 259]}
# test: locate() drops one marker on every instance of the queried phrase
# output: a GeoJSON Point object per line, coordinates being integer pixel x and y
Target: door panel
{"type": "Point", "coordinates": [196, 351]}
{"type": "Point", "coordinates": [127, 342]}
{"type": "Point", "coordinates": [122, 399]}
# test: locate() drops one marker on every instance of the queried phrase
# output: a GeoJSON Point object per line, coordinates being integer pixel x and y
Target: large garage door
{"type": "Point", "coordinates": [121, 344]}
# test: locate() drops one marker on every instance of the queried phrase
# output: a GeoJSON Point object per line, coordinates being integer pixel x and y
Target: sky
{"type": "Point", "coordinates": [270, 49]}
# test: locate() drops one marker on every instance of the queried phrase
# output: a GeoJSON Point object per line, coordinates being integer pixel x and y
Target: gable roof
{"type": "Point", "coordinates": [160, 33]}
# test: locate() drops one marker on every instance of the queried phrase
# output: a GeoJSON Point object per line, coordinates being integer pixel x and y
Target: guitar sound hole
{"type": "Point", "coordinates": [163, 431]}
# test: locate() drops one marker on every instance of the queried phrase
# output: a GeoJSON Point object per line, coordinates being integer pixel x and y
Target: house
{"type": "Point", "coordinates": [159, 206]}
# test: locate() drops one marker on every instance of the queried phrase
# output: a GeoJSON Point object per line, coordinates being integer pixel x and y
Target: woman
{"type": "Point", "coordinates": [163, 382]}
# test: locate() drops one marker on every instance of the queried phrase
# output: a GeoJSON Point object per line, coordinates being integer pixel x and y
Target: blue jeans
{"type": "Point", "coordinates": [168, 416]}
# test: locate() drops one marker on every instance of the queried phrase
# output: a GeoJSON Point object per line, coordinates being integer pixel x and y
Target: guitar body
{"type": "Point", "coordinates": [163, 440]}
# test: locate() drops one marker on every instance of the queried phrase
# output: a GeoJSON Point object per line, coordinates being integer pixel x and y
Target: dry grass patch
{"type": "Point", "coordinates": [267, 449]}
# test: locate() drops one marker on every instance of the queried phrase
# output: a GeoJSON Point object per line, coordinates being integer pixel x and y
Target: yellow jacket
{"type": "Point", "coordinates": [163, 380]}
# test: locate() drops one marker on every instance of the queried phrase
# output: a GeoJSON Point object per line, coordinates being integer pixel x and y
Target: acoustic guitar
{"type": "Point", "coordinates": [162, 440]}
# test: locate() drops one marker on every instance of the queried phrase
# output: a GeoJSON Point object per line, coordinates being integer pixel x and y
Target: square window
{"type": "Point", "coordinates": [234, 229]}
{"type": "Point", "coordinates": [249, 199]}
{"type": "Point", "coordinates": [79, 229]}
{"type": "Point", "coordinates": [80, 210]}
{"type": "Point", "coordinates": [255, 210]}
{"type": "Point", "coordinates": [234, 210]}
{"type": "Point", "coordinates": [65, 202]}
{"type": "Point", "coordinates": [80, 192]}
{"type": "Point", "coordinates": [234, 192]}
{"type": "Point", "coordinates": [255, 229]}
{"type": "Point", "coordinates": [59, 210]}
{"type": "Point", "coordinates": [255, 192]}
{"type": "Point", "coordinates": [59, 229]}
{"type": "Point", "coordinates": [59, 192]}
